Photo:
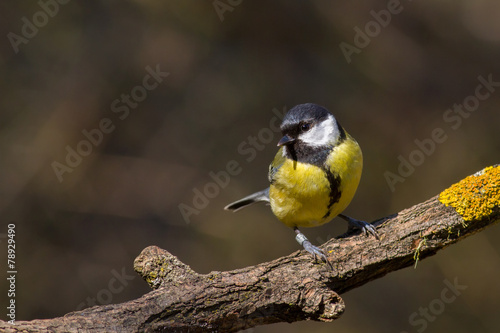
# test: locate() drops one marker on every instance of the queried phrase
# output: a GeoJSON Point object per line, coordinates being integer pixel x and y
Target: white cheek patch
{"type": "Point", "coordinates": [322, 134]}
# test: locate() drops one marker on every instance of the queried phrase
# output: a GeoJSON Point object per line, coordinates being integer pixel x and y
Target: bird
{"type": "Point", "coordinates": [314, 174]}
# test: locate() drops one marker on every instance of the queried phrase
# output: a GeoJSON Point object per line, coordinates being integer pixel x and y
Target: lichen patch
{"type": "Point", "coordinates": [475, 197]}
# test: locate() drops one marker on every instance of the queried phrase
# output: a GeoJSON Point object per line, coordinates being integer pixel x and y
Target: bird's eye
{"type": "Point", "coordinates": [305, 127]}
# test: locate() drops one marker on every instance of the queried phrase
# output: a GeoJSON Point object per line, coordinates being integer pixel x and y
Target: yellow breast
{"type": "Point", "coordinates": [300, 193]}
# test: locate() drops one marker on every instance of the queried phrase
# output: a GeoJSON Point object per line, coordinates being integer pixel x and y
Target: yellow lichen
{"type": "Point", "coordinates": [476, 196]}
{"type": "Point", "coordinates": [151, 277]}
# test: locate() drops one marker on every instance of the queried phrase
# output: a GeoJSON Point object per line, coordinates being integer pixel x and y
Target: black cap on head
{"type": "Point", "coordinates": [308, 112]}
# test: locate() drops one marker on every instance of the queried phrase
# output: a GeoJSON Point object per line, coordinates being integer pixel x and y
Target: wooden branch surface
{"type": "Point", "coordinates": [290, 288]}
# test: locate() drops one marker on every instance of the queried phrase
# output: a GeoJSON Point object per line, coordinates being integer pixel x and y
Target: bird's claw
{"type": "Point", "coordinates": [367, 228]}
{"type": "Point", "coordinates": [314, 250]}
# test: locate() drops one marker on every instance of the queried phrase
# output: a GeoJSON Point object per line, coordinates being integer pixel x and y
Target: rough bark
{"type": "Point", "coordinates": [287, 289]}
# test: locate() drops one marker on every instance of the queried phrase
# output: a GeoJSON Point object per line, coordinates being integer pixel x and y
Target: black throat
{"type": "Point", "coordinates": [302, 153]}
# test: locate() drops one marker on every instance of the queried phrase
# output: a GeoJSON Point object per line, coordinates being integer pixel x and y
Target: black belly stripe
{"type": "Point", "coordinates": [335, 192]}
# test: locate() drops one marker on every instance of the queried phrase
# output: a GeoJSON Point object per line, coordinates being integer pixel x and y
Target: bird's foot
{"type": "Point", "coordinates": [314, 250]}
{"type": "Point", "coordinates": [366, 228]}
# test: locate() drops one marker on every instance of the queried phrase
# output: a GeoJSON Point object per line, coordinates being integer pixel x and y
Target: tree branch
{"type": "Point", "coordinates": [293, 287]}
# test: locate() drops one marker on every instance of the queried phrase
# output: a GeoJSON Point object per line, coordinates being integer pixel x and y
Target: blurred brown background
{"type": "Point", "coordinates": [227, 72]}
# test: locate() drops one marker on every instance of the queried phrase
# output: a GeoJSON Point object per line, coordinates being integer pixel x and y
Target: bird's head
{"type": "Point", "coordinates": [307, 128]}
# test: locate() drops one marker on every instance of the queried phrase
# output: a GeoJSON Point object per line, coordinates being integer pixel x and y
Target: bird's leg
{"type": "Point", "coordinates": [314, 250]}
{"type": "Point", "coordinates": [367, 228]}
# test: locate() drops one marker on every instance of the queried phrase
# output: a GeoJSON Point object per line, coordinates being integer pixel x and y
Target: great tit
{"type": "Point", "coordinates": [313, 176]}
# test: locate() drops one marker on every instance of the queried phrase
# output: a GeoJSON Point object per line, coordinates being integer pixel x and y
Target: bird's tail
{"type": "Point", "coordinates": [262, 196]}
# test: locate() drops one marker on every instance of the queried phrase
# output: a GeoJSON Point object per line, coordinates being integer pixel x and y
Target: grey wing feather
{"type": "Point", "coordinates": [272, 172]}
{"type": "Point", "coordinates": [278, 161]}
{"type": "Point", "coordinates": [262, 196]}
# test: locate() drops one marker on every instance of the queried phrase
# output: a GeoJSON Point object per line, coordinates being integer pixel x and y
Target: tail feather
{"type": "Point", "coordinates": [262, 196]}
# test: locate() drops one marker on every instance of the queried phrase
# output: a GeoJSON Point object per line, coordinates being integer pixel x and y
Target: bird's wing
{"type": "Point", "coordinates": [278, 161]}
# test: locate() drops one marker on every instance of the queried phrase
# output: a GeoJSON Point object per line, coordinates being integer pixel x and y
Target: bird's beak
{"type": "Point", "coordinates": [285, 140]}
